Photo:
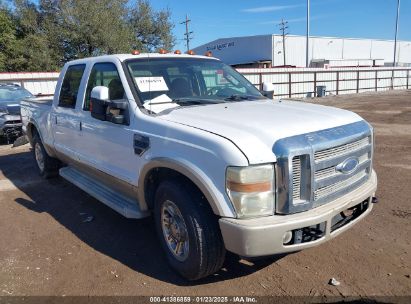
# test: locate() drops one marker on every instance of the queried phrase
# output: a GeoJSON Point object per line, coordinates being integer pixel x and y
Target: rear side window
{"type": "Point", "coordinates": [104, 74]}
{"type": "Point", "coordinates": [70, 86]}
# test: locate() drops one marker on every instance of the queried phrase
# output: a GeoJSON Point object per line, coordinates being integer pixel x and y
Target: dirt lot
{"type": "Point", "coordinates": [47, 249]}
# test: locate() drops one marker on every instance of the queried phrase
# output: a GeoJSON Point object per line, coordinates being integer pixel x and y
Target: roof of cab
{"type": "Point", "coordinates": [123, 57]}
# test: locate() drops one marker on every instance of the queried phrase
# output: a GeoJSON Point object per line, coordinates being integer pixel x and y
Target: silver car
{"type": "Point", "coordinates": [10, 120]}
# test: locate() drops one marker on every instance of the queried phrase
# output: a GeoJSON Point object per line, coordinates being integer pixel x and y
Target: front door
{"type": "Point", "coordinates": [106, 146]}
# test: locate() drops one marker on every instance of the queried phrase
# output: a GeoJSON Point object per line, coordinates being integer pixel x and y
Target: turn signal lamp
{"type": "Point", "coordinates": [135, 52]}
{"type": "Point", "coordinates": [208, 54]}
{"type": "Point", "coordinates": [178, 52]}
{"type": "Point", "coordinates": [162, 51]}
{"type": "Point", "coordinates": [190, 52]}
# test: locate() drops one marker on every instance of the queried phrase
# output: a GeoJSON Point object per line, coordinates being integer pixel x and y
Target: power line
{"type": "Point", "coordinates": [188, 34]}
{"type": "Point", "coordinates": [307, 43]}
{"type": "Point", "coordinates": [283, 28]}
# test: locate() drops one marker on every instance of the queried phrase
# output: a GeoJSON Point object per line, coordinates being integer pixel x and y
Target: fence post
{"type": "Point", "coordinates": [337, 85]}
{"type": "Point", "coordinates": [376, 81]}
{"type": "Point", "coordinates": [261, 80]}
{"type": "Point", "coordinates": [315, 84]}
{"type": "Point", "coordinates": [358, 81]}
{"type": "Point", "coordinates": [289, 84]}
{"type": "Point", "coordinates": [408, 78]}
{"type": "Point", "coordinates": [392, 79]}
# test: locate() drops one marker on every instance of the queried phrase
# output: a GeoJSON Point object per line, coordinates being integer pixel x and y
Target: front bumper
{"type": "Point", "coordinates": [264, 236]}
{"type": "Point", "coordinates": [10, 124]}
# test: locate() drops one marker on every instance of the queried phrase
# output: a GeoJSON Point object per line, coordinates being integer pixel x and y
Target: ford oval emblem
{"type": "Point", "coordinates": [348, 165]}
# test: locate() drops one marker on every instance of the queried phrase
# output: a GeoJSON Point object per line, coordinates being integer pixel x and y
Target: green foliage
{"type": "Point", "coordinates": [43, 35]}
{"type": "Point", "coordinates": [151, 29]}
{"type": "Point", "coordinates": [7, 37]}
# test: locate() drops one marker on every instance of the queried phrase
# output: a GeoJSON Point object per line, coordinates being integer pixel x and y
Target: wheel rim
{"type": "Point", "coordinates": [174, 230]}
{"type": "Point", "coordinates": [39, 156]}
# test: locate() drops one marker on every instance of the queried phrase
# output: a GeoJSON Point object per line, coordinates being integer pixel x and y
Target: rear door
{"type": "Point", "coordinates": [65, 117]}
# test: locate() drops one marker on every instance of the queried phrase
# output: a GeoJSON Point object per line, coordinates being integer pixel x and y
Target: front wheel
{"type": "Point", "coordinates": [188, 230]}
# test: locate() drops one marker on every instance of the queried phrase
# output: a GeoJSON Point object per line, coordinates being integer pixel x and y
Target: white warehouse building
{"type": "Point", "coordinates": [267, 51]}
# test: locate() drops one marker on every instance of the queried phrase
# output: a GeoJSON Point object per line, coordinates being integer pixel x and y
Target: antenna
{"type": "Point", "coordinates": [187, 34]}
{"type": "Point", "coordinates": [394, 64]}
{"type": "Point", "coordinates": [283, 28]}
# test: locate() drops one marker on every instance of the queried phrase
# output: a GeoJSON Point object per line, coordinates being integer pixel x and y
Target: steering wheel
{"type": "Point", "coordinates": [212, 91]}
{"type": "Point", "coordinates": [226, 91]}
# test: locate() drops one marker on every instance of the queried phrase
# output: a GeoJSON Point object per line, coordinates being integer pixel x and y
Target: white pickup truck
{"type": "Point", "coordinates": [219, 165]}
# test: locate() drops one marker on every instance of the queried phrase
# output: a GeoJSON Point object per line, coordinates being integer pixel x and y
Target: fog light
{"type": "Point", "coordinates": [287, 237]}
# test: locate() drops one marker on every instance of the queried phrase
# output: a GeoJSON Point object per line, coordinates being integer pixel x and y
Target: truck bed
{"type": "Point", "coordinates": [37, 110]}
{"type": "Point", "coordinates": [40, 100]}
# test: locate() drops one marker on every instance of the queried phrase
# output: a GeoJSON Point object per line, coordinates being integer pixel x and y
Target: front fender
{"type": "Point", "coordinates": [218, 201]}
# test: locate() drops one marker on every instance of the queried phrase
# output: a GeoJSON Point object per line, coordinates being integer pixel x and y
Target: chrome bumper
{"type": "Point", "coordinates": [264, 236]}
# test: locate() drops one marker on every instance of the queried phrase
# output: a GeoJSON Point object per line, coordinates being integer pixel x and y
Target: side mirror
{"type": "Point", "coordinates": [100, 92]}
{"type": "Point", "coordinates": [98, 98]}
{"type": "Point", "coordinates": [268, 90]}
{"type": "Point", "coordinates": [102, 108]}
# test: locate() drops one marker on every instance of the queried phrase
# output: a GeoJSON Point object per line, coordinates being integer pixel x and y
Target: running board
{"type": "Point", "coordinates": [123, 205]}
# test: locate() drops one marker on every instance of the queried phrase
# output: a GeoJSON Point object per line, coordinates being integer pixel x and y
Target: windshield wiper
{"type": "Point", "coordinates": [195, 101]}
{"type": "Point", "coordinates": [237, 97]}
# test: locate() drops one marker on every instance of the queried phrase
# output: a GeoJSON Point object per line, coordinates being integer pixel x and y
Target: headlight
{"type": "Point", "coordinates": [251, 190]}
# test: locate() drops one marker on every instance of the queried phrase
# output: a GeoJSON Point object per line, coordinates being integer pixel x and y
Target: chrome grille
{"type": "Point", "coordinates": [330, 189]}
{"type": "Point", "coordinates": [328, 181]}
{"type": "Point", "coordinates": [331, 171]}
{"type": "Point", "coordinates": [296, 178]}
{"type": "Point", "coordinates": [306, 169]}
{"type": "Point", "coordinates": [324, 173]}
{"type": "Point", "coordinates": [341, 150]}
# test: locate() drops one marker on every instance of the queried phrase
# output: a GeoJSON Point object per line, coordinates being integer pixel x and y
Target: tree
{"type": "Point", "coordinates": [94, 28]}
{"type": "Point", "coordinates": [152, 30]}
{"type": "Point", "coordinates": [32, 50]}
{"type": "Point", "coordinates": [44, 34]}
{"type": "Point", "coordinates": [7, 36]}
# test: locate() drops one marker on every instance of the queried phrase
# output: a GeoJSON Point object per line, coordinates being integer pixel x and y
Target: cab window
{"type": "Point", "coordinates": [104, 74]}
{"type": "Point", "coordinates": [70, 86]}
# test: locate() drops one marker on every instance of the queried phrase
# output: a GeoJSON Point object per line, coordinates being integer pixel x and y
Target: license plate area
{"type": "Point", "coordinates": [349, 215]}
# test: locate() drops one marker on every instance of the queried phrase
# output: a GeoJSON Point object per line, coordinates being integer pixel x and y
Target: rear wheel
{"type": "Point", "coordinates": [48, 166]}
{"type": "Point", "coordinates": [188, 230]}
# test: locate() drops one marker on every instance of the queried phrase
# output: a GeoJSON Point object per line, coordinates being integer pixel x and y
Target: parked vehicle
{"type": "Point", "coordinates": [220, 166]}
{"type": "Point", "coordinates": [10, 122]}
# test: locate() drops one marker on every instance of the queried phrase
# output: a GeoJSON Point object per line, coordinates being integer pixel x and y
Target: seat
{"type": "Point", "coordinates": [115, 89]}
{"type": "Point", "coordinates": [180, 88]}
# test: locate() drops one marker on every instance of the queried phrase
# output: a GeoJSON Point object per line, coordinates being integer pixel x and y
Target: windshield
{"type": "Point", "coordinates": [188, 81]}
{"type": "Point", "coordinates": [11, 93]}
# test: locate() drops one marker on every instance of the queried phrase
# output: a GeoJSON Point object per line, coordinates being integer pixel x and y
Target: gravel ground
{"type": "Point", "coordinates": [46, 248]}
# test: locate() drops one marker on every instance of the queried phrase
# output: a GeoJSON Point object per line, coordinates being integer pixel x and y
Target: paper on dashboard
{"type": "Point", "coordinates": [151, 84]}
{"type": "Point", "coordinates": [160, 103]}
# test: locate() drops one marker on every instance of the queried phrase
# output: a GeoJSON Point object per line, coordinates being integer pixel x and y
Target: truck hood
{"type": "Point", "coordinates": [255, 126]}
{"type": "Point", "coordinates": [12, 108]}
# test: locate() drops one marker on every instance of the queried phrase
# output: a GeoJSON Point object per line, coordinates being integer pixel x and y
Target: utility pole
{"type": "Point", "coordinates": [283, 28]}
{"type": "Point", "coordinates": [187, 34]}
{"type": "Point", "coordinates": [307, 38]}
{"type": "Point", "coordinates": [396, 32]}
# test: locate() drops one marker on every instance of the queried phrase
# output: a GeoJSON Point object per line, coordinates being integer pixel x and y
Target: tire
{"type": "Point", "coordinates": [48, 166]}
{"type": "Point", "coordinates": [206, 251]}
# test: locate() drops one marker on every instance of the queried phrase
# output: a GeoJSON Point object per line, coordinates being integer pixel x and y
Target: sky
{"type": "Point", "coordinates": [213, 19]}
